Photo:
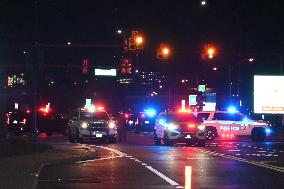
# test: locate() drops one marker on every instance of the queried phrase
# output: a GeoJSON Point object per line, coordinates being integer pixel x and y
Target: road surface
{"type": "Point", "coordinates": [139, 164]}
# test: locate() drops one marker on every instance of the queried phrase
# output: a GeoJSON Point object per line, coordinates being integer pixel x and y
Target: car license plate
{"type": "Point", "coordinates": [147, 122]}
{"type": "Point", "coordinates": [188, 136]}
{"type": "Point", "coordinates": [99, 135]}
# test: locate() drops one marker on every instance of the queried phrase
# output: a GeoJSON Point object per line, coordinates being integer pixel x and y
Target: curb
{"type": "Point", "coordinates": [91, 155]}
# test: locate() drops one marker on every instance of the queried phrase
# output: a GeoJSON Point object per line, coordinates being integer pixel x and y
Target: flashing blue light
{"type": "Point", "coordinates": [232, 109]}
{"type": "Point", "coordinates": [268, 131]}
{"type": "Point", "coordinates": [151, 112]}
{"type": "Point", "coordinates": [162, 121]}
{"type": "Point", "coordinates": [245, 120]}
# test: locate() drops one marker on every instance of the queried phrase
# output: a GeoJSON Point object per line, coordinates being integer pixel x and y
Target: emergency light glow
{"type": "Point", "coordinates": [268, 130]}
{"type": "Point", "coordinates": [232, 109]}
{"type": "Point", "coordinates": [151, 112]}
{"type": "Point", "coordinates": [172, 127]}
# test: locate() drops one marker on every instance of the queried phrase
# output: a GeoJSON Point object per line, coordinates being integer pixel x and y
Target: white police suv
{"type": "Point", "coordinates": [226, 124]}
{"type": "Point", "coordinates": [91, 124]}
{"type": "Point", "coordinates": [174, 127]}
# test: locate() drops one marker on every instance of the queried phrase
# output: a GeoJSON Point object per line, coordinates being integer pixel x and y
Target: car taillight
{"type": "Point", "coordinates": [24, 121]}
{"type": "Point", "coordinates": [191, 126]}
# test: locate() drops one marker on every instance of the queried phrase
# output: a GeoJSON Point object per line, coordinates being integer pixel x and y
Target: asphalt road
{"type": "Point", "coordinates": [138, 163]}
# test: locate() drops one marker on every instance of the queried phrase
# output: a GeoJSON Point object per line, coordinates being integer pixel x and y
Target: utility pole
{"type": "Point", "coordinates": [33, 135]}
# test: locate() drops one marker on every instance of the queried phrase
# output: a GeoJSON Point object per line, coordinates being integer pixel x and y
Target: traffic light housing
{"type": "Point", "coordinates": [125, 66]}
{"type": "Point", "coordinates": [163, 52]}
{"type": "Point", "coordinates": [209, 52]}
{"type": "Point", "coordinates": [85, 66]}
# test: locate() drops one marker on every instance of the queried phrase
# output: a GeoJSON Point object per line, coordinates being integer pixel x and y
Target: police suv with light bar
{"type": "Point", "coordinates": [92, 123]}
{"type": "Point", "coordinates": [227, 124]}
{"type": "Point", "coordinates": [174, 127]}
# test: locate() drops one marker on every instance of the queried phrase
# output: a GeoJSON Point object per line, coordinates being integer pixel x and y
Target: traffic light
{"type": "Point", "coordinates": [125, 66]}
{"type": "Point", "coordinates": [209, 52]}
{"type": "Point", "coordinates": [135, 42]}
{"type": "Point", "coordinates": [131, 44]}
{"type": "Point", "coordinates": [85, 66]}
{"type": "Point", "coordinates": [163, 52]}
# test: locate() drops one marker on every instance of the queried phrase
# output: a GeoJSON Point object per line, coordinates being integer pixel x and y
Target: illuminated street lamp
{"type": "Point", "coordinates": [250, 59]}
{"type": "Point", "coordinates": [203, 3]}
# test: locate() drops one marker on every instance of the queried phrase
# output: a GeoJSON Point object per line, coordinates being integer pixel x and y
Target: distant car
{"type": "Point", "coordinates": [174, 127]}
{"type": "Point", "coordinates": [91, 124]}
{"type": "Point", "coordinates": [145, 121]}
{"type": "Point", "coordinates": [130, 120]}
{"type": "Point", "coordinates": [228, 124]}
{"type": "Point", "coordinates": [18, 122]}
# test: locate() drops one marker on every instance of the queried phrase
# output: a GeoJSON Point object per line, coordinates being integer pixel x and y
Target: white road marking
{"type": "Point", "coordinates": [144, 164]}
{"type": "Point", "coordinates": [170, 181]}
{"type": "Point", "coordinates": [121, 154]}
{"type": "Point", "coordinates": [263, 151]}
{"type": "Point", "coordinates": [234, 150]}
{"type": "Point", "coordinates": [271, 167]}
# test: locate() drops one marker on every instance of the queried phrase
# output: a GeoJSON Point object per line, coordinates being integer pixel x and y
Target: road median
{"type": "Point", "coordinates": [20, 170]}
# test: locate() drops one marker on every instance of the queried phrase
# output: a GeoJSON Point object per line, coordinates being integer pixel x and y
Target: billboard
{"type": "Point", "coordinates": [269, 94]}
{"type": "Point", "coordinates": [105, 72]}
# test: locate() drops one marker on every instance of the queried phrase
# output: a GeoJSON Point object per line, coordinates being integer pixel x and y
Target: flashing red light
{"type": "Point", "coordinates": [184, 111]}
{"type": "Point", "coordinates": [223, 136]}
{"type": "Point", "coordinates": [100, 108]}
{"type": "Point", "coordinates": [191, 126]}
{"type": "Point", "coordinates": [24, 121]}
{"type": "Point", "coordinates": [126, 116]}
{"type": "Point", "coordinates": [28, 111]}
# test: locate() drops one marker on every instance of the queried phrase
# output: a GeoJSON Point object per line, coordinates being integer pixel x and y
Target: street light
{"type": "Point", "coordinates": [250, 59]}
{"type": "Point", "coordinates": [203, 3]}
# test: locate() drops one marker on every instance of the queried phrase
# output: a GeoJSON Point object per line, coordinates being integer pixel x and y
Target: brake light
{"type": "Point", "coordinates": [24, 121]}
{"type": "Point", "coordinates": [126, 116]}
{"type": "Point", "coordinates": [191, 126]}
{"type": "Point", "coordinates": [100, 108]}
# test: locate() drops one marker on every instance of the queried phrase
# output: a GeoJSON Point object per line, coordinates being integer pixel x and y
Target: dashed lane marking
{"type": "Point", "coordinates": [264, 165]}
{"type": "Point", "coordinates": [161, 175]}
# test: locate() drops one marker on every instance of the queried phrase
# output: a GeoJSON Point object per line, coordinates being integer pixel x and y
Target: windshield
{"type": "Point", "coordinates": [94, 116]}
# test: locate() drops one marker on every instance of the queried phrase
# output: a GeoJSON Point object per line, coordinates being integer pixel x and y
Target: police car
{"type": "Point", "coordinates": [227, 124]}
{"type": "Point", "coordinates": [174, 127]}
{"type": "Point", "coordinates": [91, 123]}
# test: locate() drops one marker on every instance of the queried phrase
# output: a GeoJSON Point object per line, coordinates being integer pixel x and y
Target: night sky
{"type": "Point", "coordinates": [245, 26]}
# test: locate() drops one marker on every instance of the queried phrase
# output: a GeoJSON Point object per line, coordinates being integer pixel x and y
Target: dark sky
{"type": "Point", "coordinates": [234, 25]}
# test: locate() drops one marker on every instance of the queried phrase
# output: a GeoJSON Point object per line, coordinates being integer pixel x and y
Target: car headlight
{"type": "Point", "coordinates": [172, 127]}
{"type": "Point", "coordinates": [201, 127]}
{"type": "Point", "coordinates": [84, 125]}
{"type": "Point", "coordinates": [111, 125]}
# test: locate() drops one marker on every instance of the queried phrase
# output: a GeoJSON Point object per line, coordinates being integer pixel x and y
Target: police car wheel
{"type": "Point", "coordinates": [157, 140]}
{"type": "Point", "coordinates": [258, 134]}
